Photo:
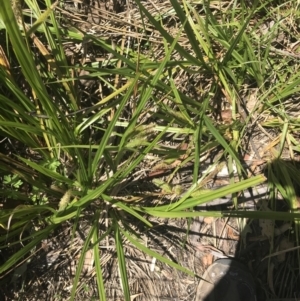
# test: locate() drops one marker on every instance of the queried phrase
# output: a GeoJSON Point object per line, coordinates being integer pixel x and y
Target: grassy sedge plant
{"type": "Point", "coordinates": [79, 157]}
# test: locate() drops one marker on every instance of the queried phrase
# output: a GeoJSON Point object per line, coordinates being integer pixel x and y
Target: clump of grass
{"type": "Point", "coordinates": [76, 148]}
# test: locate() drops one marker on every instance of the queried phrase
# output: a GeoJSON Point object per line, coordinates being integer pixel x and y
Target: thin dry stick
{"type": "Point", "coordinates": [281, 252]}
